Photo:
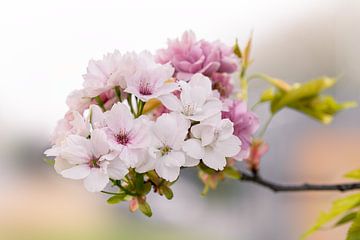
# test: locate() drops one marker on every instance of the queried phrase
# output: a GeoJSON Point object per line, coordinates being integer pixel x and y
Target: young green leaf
{"type": "Point", "coordinates": [116, 198]}
{"type": "Point", "coordinates": [338, 207]}
{"type": "Point", "coordinates": [236, 49]}
{"type": "Point", "coordinates": [145, 208]}
{"type": "Point", "coordinates": [232, 172]}
{"type": "Point", "coordinates": [267, 95]}
{"type": "Point", "coordinates": [345, 219]}
{"type": "Point", "coordinates": [355, 174]}
{"type": "Point", "coordinates": [354, 230]}
{"type": "Point", "coordinates": [51, 162]}
{"type": "Point", "coordinates": [303, 91]}
{"type": "Point", "coordinates": [168, 193]}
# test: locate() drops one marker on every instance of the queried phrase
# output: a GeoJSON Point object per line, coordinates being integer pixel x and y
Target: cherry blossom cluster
{"type": "Point", "coordinates": [144, 116]}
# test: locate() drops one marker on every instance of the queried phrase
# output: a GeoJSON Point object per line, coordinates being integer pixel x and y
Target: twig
{"type": "Point", "coordinates": [276, 187]}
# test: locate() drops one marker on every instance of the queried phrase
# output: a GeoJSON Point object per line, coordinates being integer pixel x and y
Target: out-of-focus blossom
{"type": "Point", "coordinates": [222, 83]}
{"type": "Point", "coordinates": [72, 123]}
{"type": "Point", "coordinates": [165, 151]}
{"type": "Point", "coordinates": [245, 124]}
{"type": "Point", "coordinates": [103, 74]}
{"type": "Point", "coordinates": [189, 56]}
{"type": "Point", "coordinates": [257, 150]}
{"type": "Point", "coordinates": [196, 100]}
{"type": "Point", "coordinates": [78, 101]}
{"type": "Point", "coordinates": [212, 142]}
{"type": "Point", "coordinates": [150, 80]}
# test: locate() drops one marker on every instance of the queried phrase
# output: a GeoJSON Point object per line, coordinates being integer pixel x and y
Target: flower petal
{"type": "Point", "coordinates": [192, 148]}
{"type": "Point", "coordinates": [99, 143]}
{"type": "Point", "coordinates": [214, 159]}
{"type": "Point", "coordinates": [191, 162]}
{"type": "Point", "coordinates": [61, 165]}
{"type": "Point", "coordinates": [77, 172]}
{"type": "Point", "coordinates": [119, 118]}
{"type": "Point", "coordinates": [171, 102]}
{"type": "Point", "coordinates": [96, 180]}
{"type": "Point", "coordinates": [168, 173]}
{"type": "Point", "coordinates": [229, 147]}
{"type": "Point", "coordinates": [117, 169]}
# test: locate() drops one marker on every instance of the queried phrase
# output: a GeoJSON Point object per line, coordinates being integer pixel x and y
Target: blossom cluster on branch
{"type": "Point", "coordinates": [141, 117]}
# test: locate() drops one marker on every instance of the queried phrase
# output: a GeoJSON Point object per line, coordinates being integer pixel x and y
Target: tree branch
{"type": "Point", "coordinates": [276, 187]}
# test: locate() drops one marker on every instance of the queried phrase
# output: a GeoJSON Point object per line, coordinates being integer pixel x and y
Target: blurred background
{"type": "Point", "coordinates": [45, 47]}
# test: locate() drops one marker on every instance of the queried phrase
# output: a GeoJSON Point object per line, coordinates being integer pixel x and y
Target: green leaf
{"type": "Point", "coordinates": [116, 199]}
{"type": "Point", "coordinates": [267, 95]}
{"type": "Point", "coordinates": [145, 208]}
{"type": "Point", "coordinates": [354, 230]}
{"type": "Point", "coordinates": [168, 193]}
{"type": "Point", "coordinates": [281, 85]}
{"type": "Point", "coordinates": [338, 207]}
{"type": "Point", "coordinates": [51, 162]}
{"type": "Point", "coordinates": [147, 188]}
{"type": "Point", "coordinates": [303, 91]}
{"type": "Point", "coordinates": [345, 219]}
{"type": "Point", "coordinates": [236, 49]}
{"type": "Point", "coordinates": [355, 174]}
{"type": "Point", "coordinates": [322, 108]}
{"type": "Point", "coordinates": [232, 172]}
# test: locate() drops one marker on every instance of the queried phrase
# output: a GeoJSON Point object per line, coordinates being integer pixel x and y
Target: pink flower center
{"type": "Point", "coordinates": [145, 88]}
{"type": "Point", "coordinates": [122, 138]}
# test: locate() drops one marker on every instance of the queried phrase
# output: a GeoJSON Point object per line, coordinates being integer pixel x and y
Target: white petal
{"type": "Point", "coordinates": [97, 117]}
{"type": "Point", "coordinates": [201, 80]}
{"type": "Point", "coordinates": [53, 151]}
{"type": "Point", "coordinates": [77, 172]}
{"type": "Point", "coordinates": [164, 127]}
{"type": "Point", "coordinates": [168, 173]}
{"type": "Point", "coordinates": [210, 108]}
{"type": "Point", "coordinates": [226, 129]}
{"type": "Point", "coordinates": [130, 156]}
{"type": "Point", "coordinates": [99, 143]}
{"type": "Point", "coordinates": [76, 149]}
{"type": "Point", "coordinates": [171, 102]}
{"type": "Point", "coordinates": [205, 132]}
{"type": "Point", "coordinates": [145, 165]}
{"type": "Point", "coordinates": [214, 159]}
{"type": "Point", "coordinates": [97, 180]}
{"type": "Point", "coordinates": [119, 118]}
{"type": "Point", "coordinates": [191, 162]}
{"type": "Point", "coordinates": [192, 147]}
{"type": "Point", "coordinates": [229, 147]}
{"type": "Point", "coordinates": [81, 126]}
{"type": "Point", "coordinates": [61, 165]}
{"type": "Point", "coordinates": [166, 89]}
{"type": "Point", "coordinates": [117, 169]}
{"type": "Point", "coordinates": [174, 158]}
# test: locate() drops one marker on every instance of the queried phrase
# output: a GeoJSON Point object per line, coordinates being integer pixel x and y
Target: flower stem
{"type": "Point", "coordinates": [129, 100]}
{"type": "Point", "coordinates": [265, 127]}
{"type": "Point", "coordinates": [100, 102]}
{"type": "Point", "coordinates": [118, 92]}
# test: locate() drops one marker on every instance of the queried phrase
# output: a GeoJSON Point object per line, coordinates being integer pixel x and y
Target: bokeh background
{"type": "Point", "coordinates": [44, 50]}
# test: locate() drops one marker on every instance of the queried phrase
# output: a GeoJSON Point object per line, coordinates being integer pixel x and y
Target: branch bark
{"type": "Point", "coordinates": [276, 187]}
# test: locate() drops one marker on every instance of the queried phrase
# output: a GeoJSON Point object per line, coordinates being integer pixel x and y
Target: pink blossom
{"type": "Point", "coordinates": [245, 124]}
{"type": "Point", "coordinates": [72, 123]}
{"type": "Point", "coordinates": [189, 56]}
{"type": "Point", "coordinates": [103, 74]}
{"type": "Point", "coordinates": [150, 78]}
{"type": "Point", "coordinates": [221, 83]}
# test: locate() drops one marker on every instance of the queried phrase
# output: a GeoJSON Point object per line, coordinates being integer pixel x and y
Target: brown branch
{"type": "Point", "coordinates": [276, 187]}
